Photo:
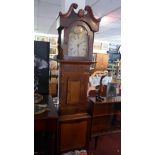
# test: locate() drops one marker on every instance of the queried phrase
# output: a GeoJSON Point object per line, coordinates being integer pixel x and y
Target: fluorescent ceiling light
{"type": "Point", "coordinates": [105, 20]}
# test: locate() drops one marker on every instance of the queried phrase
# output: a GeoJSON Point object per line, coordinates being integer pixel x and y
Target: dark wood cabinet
{"type": "Point", "coordinates": [105, 116]}
{"type": "Point", "coordinates": [45, 131]}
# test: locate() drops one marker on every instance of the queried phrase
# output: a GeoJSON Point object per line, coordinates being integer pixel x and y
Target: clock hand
{"type": "Point", "coordinates": [78, 49]}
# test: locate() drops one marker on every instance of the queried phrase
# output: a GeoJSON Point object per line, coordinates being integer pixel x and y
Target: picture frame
{"type": "Point", "coordinates": [53, 41]}
{"type": "Point", "coordinates": [105, 47]}
{"type": "Point", "coordinates": [97, 46]}
{"type": "Point", "coordinates": [42, 38]}
{"type": "Point", "coordinates": [53, 50]}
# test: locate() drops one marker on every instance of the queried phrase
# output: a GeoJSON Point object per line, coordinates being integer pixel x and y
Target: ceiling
{"type": "Point", "coordinates": [46, 12]}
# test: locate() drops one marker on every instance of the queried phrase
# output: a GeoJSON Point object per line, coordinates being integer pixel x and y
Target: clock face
{"type": "Point", "coordinates": [78, 42]}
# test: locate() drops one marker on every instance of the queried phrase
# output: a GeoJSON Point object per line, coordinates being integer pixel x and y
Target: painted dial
{"type": "Point", "coordinates": [78, 42]}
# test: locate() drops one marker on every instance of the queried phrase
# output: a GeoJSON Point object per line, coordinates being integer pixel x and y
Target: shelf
{"type": "Point", "coordinates": [106, 133]}
{"type": "Point", "coordinates": [102, 115]}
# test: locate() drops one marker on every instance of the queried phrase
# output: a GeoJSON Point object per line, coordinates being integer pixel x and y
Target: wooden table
{"type": "Point", "coordinates": [45, 131]}
{"type": "Point", "coordinates": [105, 116]}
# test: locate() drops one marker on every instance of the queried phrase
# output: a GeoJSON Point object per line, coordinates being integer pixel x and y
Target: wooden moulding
{"type": "Point", "coordinates": [81, 12]}
{"type": "Point", "coordinates": [75, 62]}
{"type": "Point", "coordinates": [73, 117]}
{"type": "Point", "coordinates": [85, 15]}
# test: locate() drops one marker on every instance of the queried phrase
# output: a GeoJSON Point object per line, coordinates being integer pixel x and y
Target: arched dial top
{"type": "Point", "coordinates": [78, 42]}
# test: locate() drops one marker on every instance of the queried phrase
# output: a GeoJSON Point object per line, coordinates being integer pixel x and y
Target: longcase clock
{"type": "Point", "coordinates": [75, 48]}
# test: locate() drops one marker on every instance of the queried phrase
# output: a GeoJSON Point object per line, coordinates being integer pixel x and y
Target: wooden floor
{"type": "Point", "coordinates": [107, 145]}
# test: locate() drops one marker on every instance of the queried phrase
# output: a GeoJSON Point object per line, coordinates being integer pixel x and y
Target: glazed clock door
{"type": "Point", "coordinates": [78, 42]}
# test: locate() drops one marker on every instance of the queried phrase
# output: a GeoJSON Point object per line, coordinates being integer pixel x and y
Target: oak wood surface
{"type": "Point", "coordinates": [74, 120]}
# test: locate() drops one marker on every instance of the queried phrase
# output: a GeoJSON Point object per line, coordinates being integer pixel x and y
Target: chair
{"type": "Point", "coordinates": [102, 89]}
